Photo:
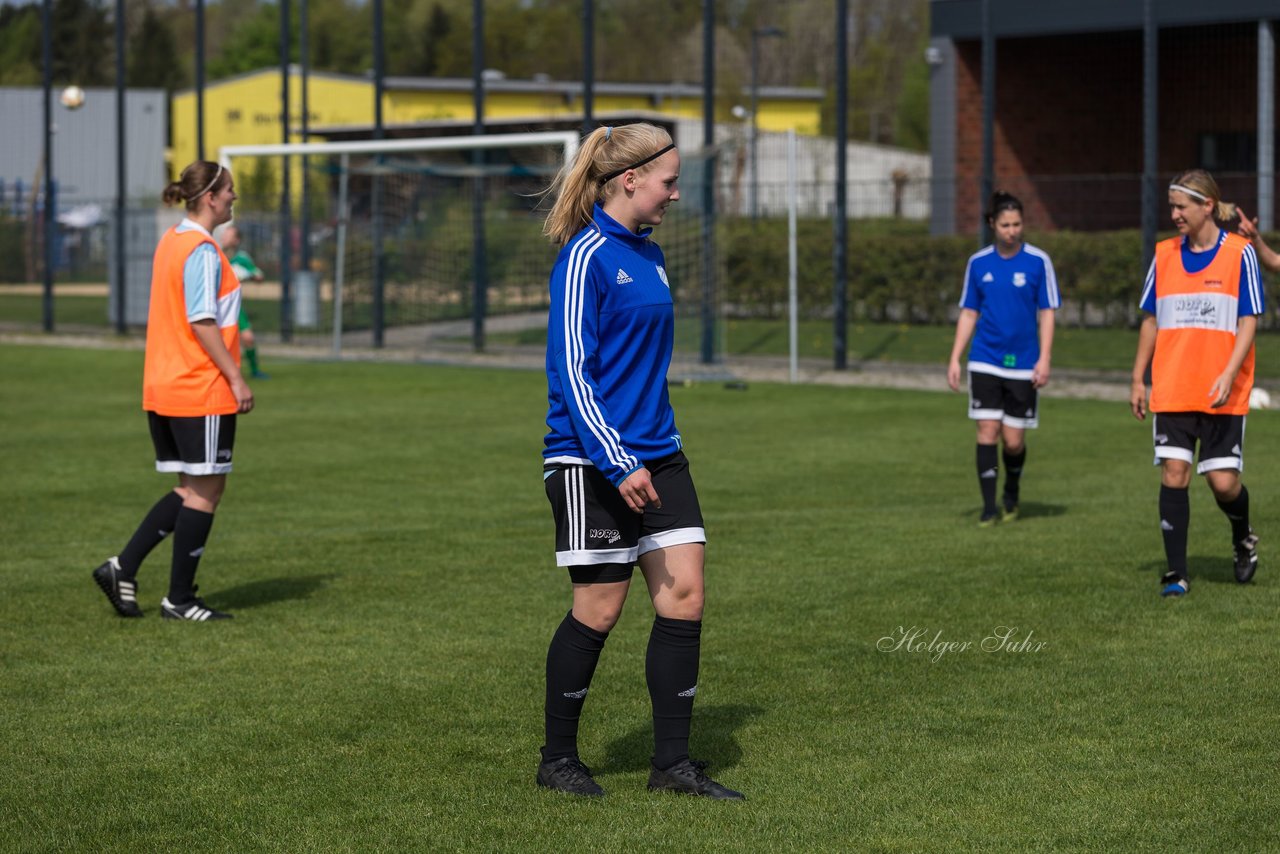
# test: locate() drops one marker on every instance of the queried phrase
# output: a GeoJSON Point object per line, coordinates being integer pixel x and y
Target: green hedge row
{"type": "Point", "coordinates": [898, 272]}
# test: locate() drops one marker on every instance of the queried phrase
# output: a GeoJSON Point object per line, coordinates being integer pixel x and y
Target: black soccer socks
{"type": "Point", "coordinates": [1013, 473]}
{"type": "Point", "coordinates": [189, 538]}
{"type": "Point", "coordinates": [988, 471]}
{"type": "Point", "coordinates": [671, 669]}
{"type": "Point", "coordinates": [571, 662]}
{"type": "Point", "coordinates": [1237, 511]}
{"type": "Point", "coordinates": [1175, 518]}
{"type": "Point", "coordinates": [158, 524]}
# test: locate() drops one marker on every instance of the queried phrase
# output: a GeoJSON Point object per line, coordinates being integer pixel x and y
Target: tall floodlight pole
{"type": "Point", "coordinates": [588, 65]}
{"type": "Point", "coordinates": [480, 284]}
{"type": "Point", "coordinates": [199, 79]}
{"type": "Point", "coordinates": [375, 200]}
{"type": "Point", "coordinates": [708, 181]}
{"type": "Point", "coordinates": [988, 120]}
{"type": "Point", "coordinates": [840, 287]}
{"type": "Point", "coordinates": [286, 214]}
{"type": "Point", "coordinates": [121, 184]}
{"type": "Point", "coordinates": [304, 246]}
{"type": "Point", "coordinates": [1150, 163]}
{"type": "Point", "coordinates": [46, 56]}
{"type": "Point", "coordinates": [757, 34]}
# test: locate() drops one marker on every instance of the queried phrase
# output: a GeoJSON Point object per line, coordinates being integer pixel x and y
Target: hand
{"type": "Point", "coordinates": [243, 395]}
{"type": "Point", "coordinates": [953, 375]}
{"type": "Point", "coordinates": [1040, 374]}
{"type": "Point", "coordinates": [1138, 400]}
{"type": "Point", "coordinates": [1221, 389]}
{"type": "Point", "coordinates": [1248, 227]}
{"type": "Point", "coordinates": [637, 490]}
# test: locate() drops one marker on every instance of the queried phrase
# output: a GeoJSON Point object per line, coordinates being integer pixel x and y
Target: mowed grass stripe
{"type": "Point", "coordinates": [386, 547]}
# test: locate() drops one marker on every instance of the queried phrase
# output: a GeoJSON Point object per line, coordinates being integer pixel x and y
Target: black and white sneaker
{"type": "Point", "coordinates": [193, 610]}
{"type": "Point", "coordinates": [121, 591]}
{"type": "Point", "coordinates": [689, 777]}
{"type": "Point", "coordinates": [1246, 557]}
{"type": "Point", "coordinates": [568, 774]}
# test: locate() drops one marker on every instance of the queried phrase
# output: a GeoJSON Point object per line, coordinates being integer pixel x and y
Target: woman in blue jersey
{"type": "Point", "coordinates": [1010, 294]}
{"type": "Point", "coordinates": [613, 467]}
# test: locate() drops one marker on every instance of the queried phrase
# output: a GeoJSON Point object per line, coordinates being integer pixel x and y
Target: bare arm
{"type": "Point", "coordinates": [964, 331]}
{"type": "Point", "coordinates": [206, 332]}
{"type": "Point", "coordinates": [1146, 349]}
{"type": "Point", "coordinates": [1267, 256]}
{"type": "Point", "coordinates": [1246, 330]}
{"type": "Point", "coordinates": [1040, 374]}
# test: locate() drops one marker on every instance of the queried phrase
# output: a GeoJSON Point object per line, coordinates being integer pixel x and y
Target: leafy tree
{"type": "Point", "coordinates": [19, 45]}
{"type": "Point", "coordinates": [153, 55]}
{"type": "Point", "coordinates": [82, 41]}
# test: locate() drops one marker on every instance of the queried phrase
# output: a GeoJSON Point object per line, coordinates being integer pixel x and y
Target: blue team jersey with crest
{"type": "Point", "coordinates": [610, 332]}
{"type": "Point", "coordinates": [1008, 294]}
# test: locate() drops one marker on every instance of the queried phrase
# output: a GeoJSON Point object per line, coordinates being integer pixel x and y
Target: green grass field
{"type": "Point", "coordinates": [386, 548]}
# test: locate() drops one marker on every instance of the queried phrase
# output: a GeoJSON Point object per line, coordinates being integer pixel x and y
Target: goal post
{"type": "Point", "coordinates": [396, 160]}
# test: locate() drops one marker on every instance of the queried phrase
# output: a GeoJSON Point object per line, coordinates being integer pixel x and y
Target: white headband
{"type": "Point", "coordinates": [216, 176]}
{"type": "Point", "coordinates": [1190, 192]}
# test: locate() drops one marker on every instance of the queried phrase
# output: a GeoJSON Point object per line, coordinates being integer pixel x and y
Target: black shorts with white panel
{"type": "Point", "coordinates": [199, 445]}
{"type": "Point", "coordinates": [599, 538]}
{"type": "Point", "coordinates": [1011, 401]}
{"type": "Point", "coordinates": [1221, 439]}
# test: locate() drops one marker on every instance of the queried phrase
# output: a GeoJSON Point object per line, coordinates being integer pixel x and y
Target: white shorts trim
{"type": "Point", "coordinates": [1003, 373]}
{"type": "Point", "coordinates": [986, 414]}
{"type": "Point", "coordinates": [567, 460]}
{"type": "Point", "coordinates": [593, 557]}
{"type": "Point", "coordinates": [1167, 453]}
{"type": "Point", "coordinates": [1220, 463]}
{"type": "Point", "coordinates": [667, 539]}
{"type": "Point", "coordinates": [1022, 423]}
{"type": "Point", "coordinates": [196, 469]}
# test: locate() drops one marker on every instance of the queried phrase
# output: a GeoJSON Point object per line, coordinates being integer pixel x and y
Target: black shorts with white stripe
{"type": "Point", "coordinates": [595, 527]}
{"type": "Point", "coordinates": [198, 446]}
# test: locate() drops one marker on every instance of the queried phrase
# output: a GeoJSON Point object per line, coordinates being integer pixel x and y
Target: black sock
{"type": "Point", "coordinates": [988, 471]}
{"type": "Point", "coordinates": [671, 669]}
{"type": "Point", "coordinates": [1013, 474]}
{"type": "Point", "coordinates": [158, 524]}
{"type": "Point", "coordinates": [189, 537]}
{"type": "Point", "coordinates": [1237, 511]}
{"type": "Point", "coordinates": [1175, 518]}
{"type": "Point", "coordinates": [571, 662]}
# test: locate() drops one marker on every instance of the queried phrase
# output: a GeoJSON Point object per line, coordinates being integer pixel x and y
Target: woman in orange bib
{"type": "Point", "coordinates": [192, 391]}
{"type": "Point", "coordinates": [1202, 296]}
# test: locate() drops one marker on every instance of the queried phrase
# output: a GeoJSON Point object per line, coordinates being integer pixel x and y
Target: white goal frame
{"type": "Point", "coordinates": [567, 140]}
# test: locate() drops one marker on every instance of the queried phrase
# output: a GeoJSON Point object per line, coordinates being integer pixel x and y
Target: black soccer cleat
{"type": "Point", "coordinates": [568, 774]}
{"type": "Point", "coordinates": [194, 610]}
{"type": "Point", "coordinates": [121, 591]}
{"type": "Point", "coordinates": [688, 776]}
{"type": "Point", "coordinates": [1246, 557]}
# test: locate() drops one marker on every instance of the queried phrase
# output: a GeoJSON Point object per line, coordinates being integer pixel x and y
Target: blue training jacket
{"type": "Point", "coordinates": [609, 339]}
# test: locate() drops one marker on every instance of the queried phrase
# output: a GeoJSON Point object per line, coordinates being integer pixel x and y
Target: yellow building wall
{"type": "Point", "coordinates": [246, 111]}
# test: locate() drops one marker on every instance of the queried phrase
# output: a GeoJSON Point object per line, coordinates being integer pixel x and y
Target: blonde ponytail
{"type": "Point", "coordinates": [605, 154]}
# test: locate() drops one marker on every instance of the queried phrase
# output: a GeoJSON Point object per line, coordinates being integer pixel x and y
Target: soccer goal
{"type": "Point", "coordinates": [382, 235]}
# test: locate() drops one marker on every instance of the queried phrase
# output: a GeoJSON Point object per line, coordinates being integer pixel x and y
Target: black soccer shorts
{"type": "Point", "coordinates": [199, 445]}
{"type": "Point", "coordinates": [1221, 438]}
{"type": "Point", "coordinates": [1012, 402]}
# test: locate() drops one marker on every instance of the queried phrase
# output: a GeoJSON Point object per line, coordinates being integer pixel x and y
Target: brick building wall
{"type": "Point", "coordinates": [1068, 135]}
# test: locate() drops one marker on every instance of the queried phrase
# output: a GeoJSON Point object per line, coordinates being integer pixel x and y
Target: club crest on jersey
{"type": "Point", "coordinates": [623, 278]}
{"type": "Point", "coordinates": [1019, 280]}
{"type": "Point", "coordinates": [662, 274]}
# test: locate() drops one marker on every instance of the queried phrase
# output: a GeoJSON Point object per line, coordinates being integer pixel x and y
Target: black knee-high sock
{"type": "Point", "coordinates": [189, 537]}
{"type": "Point", "coordinates": [1237, 511]}
{"type": "Point", "coordinates": [1013, 473]}
{"type": "Point", "coordinates": [158, 524]}
{"type": "Point", "coordinates": [671, 669]}
{"type": "Point", "coordinates": [988, 471]}
{"type": "Point", "coordinates": [571, 662]}
{"type": "Point", "coordinates": [1175, 518]}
